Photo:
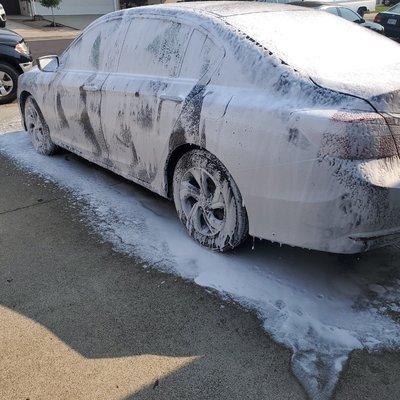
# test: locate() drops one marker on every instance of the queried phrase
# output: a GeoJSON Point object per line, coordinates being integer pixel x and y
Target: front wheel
{"type": "Point", "coordinates": [8, 83]}
{"type": "Point", "coordinates": [37, 128]}
{"type": "Point", "coordinates": [208, 202]}
{"type": "Point", "coordinates": [361, 11]}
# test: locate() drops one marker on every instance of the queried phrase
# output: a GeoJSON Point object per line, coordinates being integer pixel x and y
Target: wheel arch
{"type": "Point", "coordinates": [22, 100]}
{"type": "Point", "coordinates": [172, 160]}
{"type": "Point", "coordinates": [11, 63]}
{"type": "Point", "coordinates": [362, 10]}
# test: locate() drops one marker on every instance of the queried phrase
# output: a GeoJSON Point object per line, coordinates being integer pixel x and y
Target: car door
{"type": "Point", "coordinates": [148, 95]}
{"type": "Point", "coordinates": [76, 88]}
{"type": "Point", "coordinates": [144, 97]}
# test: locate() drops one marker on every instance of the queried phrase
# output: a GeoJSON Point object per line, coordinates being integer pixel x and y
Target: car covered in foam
{"type": "Point", "coordinates": [263, 119]}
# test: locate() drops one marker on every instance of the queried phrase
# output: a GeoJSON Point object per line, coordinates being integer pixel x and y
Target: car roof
{"type": "Point", "coordinates": [218, 9]}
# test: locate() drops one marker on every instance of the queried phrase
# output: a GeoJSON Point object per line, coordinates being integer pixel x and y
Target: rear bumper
{"type": "Point", "coordinates": [391, 31]}
{"type": "Point", "coordinates": [343, 206]}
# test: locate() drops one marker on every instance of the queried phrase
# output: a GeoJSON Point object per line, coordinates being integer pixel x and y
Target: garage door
{"type": "Point", "coordinates": [11, 7]}
{"type": "Point", "coordinates": [76, 7]}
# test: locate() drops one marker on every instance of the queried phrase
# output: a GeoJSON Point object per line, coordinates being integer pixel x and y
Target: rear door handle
{"type": "Point", "coordinates": [91, 87]}
{"type": "Point", "coordinates": [176, 99]}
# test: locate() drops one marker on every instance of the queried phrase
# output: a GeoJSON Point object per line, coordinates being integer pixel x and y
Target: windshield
{"type": "Point", "coordinates": [325, 47]}
{"type": "Point", "coordinates": [395, 9]}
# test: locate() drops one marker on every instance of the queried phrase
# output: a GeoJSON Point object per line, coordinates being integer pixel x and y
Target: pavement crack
{"type": "Point", "coordinates": [29, 206]}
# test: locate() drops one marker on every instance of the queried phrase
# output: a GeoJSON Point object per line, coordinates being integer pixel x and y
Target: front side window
{"type": "Point", "coordinates": [154, 47]}
{"type": "Point", "coordinates": [332, 10]}
{"type": "Point", "coordinates": [96, 49]}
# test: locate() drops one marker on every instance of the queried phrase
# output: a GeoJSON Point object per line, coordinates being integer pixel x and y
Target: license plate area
{"type": "Point", "coordinates": [392, 21]}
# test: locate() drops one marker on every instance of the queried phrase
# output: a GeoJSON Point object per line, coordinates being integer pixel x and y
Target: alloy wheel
{"type": "Point", "coordinates": [6, 84]}
{"type": "Point", "coordinates": [202, 202]}
{"type": "Point", "coordinates": [34, 125]}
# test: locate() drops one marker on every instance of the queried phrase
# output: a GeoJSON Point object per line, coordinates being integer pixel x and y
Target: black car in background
{"type": "Point", "coordinates": [342, 12]}
{"type": "Point", "coordinates": [15, 58]}
{"type": "Point", "coordinates": [390, 19]}
{"type": "Point", "coordinates": [3, 17]}
{"type": "Point", "coordinates": [390, 2]}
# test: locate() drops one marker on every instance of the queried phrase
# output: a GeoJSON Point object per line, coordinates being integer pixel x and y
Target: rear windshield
{"type": "Point", "coordinates": [394, 9]}
{"type": "Point", "coordinates": [323, 46]}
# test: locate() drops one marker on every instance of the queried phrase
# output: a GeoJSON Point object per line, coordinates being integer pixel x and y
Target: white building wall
{"type": "Point", "coordinates": [78, 7]}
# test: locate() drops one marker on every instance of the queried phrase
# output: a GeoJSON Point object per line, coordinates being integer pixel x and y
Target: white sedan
{"type": "Point", "coordinates": [263, 119]}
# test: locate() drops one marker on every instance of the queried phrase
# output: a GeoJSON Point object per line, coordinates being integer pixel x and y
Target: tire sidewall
{"type": "Point", "coordinates": [234, 229]}
{"type": "Point", "coordinates": [46, 146]}
{"type": "Point", "coordinates": [13, 73]}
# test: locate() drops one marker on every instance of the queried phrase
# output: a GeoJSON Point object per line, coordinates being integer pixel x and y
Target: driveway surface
{"type": "Point", "coordinates": [81, 321]}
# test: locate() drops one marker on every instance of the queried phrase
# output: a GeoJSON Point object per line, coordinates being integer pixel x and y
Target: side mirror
{"type": "Point", "coordinates": [48, 63]}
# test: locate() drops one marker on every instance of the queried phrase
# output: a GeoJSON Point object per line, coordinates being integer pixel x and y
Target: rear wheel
{"type": "Point", "coordinates": [37, 128]}
{"type": "Point", "coordinates": [8, 83]}
{"type": "Point", "coordinates": [208, 202]}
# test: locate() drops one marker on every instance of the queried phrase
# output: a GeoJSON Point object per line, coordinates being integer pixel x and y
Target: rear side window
{"type": "Point", "coordinates": [154, 47]}
{"type": "Point", "coordinates": [97, 49]}
{"type": "Point", "coordinates": [349, 15]}
{"type": "Point", "coordinates": [202, 55]}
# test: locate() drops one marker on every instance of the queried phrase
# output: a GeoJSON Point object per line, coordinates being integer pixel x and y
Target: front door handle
{"type": "Point", "coordinates": [176, 99]}
{"type": "Point", "coordinates": [91, 87]}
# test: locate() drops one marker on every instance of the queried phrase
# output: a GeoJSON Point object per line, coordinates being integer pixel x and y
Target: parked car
{"type": "Point", "coordinates": [248, 127]}
{"type": "Point", "coordinates": [3, 17]}
{"type": "Point", "coordinates": [15, 58]}
{"type": "Point", "coordinates": [389, 2]}
{"type": "Point", "coordinates": [390, 20]}
{"type": "Point", "coordinates": [358, 6]}
{"type": "Point", "coordinates": [342, 12]}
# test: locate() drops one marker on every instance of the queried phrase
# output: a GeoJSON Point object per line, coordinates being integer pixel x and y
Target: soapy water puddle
{"type": "Point", "coordinates": [321, 306]}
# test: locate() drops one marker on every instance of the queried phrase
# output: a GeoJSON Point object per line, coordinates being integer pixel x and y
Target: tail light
{"type": "Point", "coordinates": [377, 19]}
{"type": "Point", "coordinates": [358, 136]}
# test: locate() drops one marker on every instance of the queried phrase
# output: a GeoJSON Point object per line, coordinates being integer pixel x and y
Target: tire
{"type": "Point", "coordinates": [208, 202]}
{"type": "Point", "coordinates": [37, 128]}
{"type": "Point", "coordinates": [361, 11]}
{"type": "Point", "coordinates": [8, 83]}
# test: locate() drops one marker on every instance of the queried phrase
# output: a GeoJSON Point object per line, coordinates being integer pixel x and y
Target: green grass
{"type": "Point", "coordinates": [381, 8]}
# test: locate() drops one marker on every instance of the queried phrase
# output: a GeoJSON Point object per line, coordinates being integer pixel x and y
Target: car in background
{"type": "Point", "coordinates": [15, 58]}
{"type": "Point", "coordinates": [342, 12]}
{"type": "Point", "coordinates": [358, 6]}
{"type": "Point", "coordinates": [390, 2]}
{"type": "Point", "coordinates": [390, 20]}
{"type": "Point", "coordinates": [3, 17]}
